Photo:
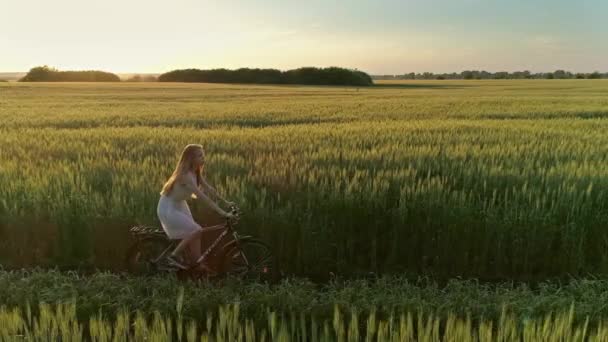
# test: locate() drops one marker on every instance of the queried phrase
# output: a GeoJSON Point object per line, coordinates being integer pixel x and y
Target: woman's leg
{"type": "Point", "coordinates": [182, 222]}
{"type": "Point", "coordinates": [193, 242]}
{"type": "Point", "coordinates": [194, 247]}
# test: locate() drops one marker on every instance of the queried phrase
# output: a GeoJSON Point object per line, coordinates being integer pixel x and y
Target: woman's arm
{"type": "Point", "coordinates": [212, 191]}
{"type": "Point", "coordinates": [190, 184]}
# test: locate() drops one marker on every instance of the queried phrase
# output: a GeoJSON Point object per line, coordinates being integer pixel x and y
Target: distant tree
{"type": "Point", "coordinates": [134, 78]}
{"type": "Point", "coordinates": [520, 75]}
{"type": "Point", "coordinates": [467, 75]}
{"type": "Point", "coordinates": [39, 74]}
{"type": "Point", "coordinates": [307, 75]}
{"type": "Point", "coordinates": [501, 75]}
{"type": "Point", "coordinates": [47, 74]}
{"type": "Point", "coordinates": [484, 75]}
{"type": "Point", "coordinates": [149, 78]}
{"type": "Point", "coordinates": [141, 78]}
{"type": "Point", "coordinates": [561, 74]}
{"type": "Point", "coordinates": [428, 76]}
{"type": "Point", "coordinates": [85, 76]}
{"type": "Point", "coordinates": [408, 76]}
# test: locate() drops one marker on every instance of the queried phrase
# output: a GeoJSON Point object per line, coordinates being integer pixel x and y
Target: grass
{"type": "Point", "coordinates": [59, 322]}
{"type": "Point", "coordinates": [109, 293]}
{"type": "Point", "coordinates": [110, 307]}
{"type": "Point", "coordinates": [487, 179]}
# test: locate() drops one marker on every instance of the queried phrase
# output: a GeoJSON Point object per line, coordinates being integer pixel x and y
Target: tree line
{"type": "Point", "coordinates": [485, 75]}
{"type": "Point", "coordinates": [307, 75]}
{"type": "Point", "coordinates": [48, 74]}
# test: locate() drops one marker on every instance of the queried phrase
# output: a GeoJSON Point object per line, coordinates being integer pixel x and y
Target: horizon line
{"type": "Point", "coordinates": [371, 74]}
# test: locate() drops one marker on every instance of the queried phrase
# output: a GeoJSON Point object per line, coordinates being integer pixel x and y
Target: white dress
{"type": "Point", "coordinates": [173, 211]}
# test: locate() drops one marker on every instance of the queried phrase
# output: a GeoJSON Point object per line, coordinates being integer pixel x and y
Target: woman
{"type": "Point", "coordinates": [173, 211]}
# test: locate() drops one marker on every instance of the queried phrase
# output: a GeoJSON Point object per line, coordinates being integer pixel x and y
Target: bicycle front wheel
{"type": "Point", "coordinates": [250, 258]}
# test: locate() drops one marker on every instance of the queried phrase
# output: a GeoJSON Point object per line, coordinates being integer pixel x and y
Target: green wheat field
{"type": "Point", "coordinates": [494, 180]}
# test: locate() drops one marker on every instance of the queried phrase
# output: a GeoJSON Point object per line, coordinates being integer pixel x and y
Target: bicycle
{"type": "Point", "coordinates": [228, 254]}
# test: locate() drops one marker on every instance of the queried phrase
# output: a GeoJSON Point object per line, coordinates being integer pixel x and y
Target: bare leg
{"type": "Point", "coordinates": [195, 252]}
{"type": "Point", "coordinates": [195, 248]}
{"type": "Point", "coordinates": [193, 241]}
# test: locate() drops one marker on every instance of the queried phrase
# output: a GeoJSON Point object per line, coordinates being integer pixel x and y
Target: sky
{"type": "Point", "coordinates": [375, 36]}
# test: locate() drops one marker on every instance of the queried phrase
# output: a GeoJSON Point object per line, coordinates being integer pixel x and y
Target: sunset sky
{"type": "Point", "coordinates": [379, 37]}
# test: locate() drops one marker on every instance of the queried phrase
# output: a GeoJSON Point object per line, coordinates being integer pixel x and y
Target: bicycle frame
{"type": "Point", "coordinates": [215, 243]}
{"type": "Point", "coordinates": [170, 247]}
{"type": "Point", "coordinates": [227, 229]}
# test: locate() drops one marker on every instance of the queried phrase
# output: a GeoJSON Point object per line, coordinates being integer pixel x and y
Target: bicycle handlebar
{"type": "Point", "coordinates": [236, 212]}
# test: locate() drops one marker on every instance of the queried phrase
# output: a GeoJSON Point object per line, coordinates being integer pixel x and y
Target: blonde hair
{"type": "Point", "coordinates": [184, 165]}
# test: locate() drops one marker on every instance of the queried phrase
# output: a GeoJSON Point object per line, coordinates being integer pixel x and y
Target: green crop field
{"type": "Point", "coordinates": [401, 186]}
{"type": "Point", "coordinates": [490, 179]}
{"type": "Point", "coordinates": [110, 307]}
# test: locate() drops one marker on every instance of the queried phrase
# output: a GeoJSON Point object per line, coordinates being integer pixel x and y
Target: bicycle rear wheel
{"type": "Point", "coordinates": [144, 256]}
{"type": "Point", "coordinates": [251, 259]}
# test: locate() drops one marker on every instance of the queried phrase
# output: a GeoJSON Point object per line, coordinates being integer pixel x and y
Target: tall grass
{"type": "Point", "coordinates": [107, 294]}
{"type": "Point", "coordinates": [58, 322]}
{"type": "Point", "coordinates": [485, 179]}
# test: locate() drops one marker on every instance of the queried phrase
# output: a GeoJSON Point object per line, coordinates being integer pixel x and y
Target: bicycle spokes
{"type": "Point", "coordinates": [250, 258]}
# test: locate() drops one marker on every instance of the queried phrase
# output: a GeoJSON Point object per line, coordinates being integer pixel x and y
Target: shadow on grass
{"type": "Point", "coordinates": [581, 115]}
{"type": "Point", "coordinates": [419, 86]}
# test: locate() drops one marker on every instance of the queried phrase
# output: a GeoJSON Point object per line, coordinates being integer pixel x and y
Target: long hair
{"type": "Point", "coordinates": [184, 165]}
